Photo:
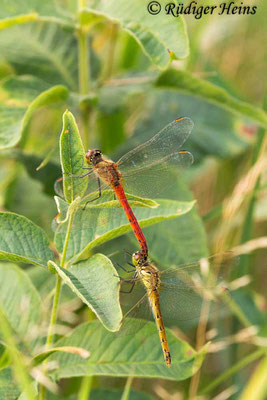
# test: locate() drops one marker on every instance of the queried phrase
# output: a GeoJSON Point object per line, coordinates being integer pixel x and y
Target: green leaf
{"type": "Point", "coordinates": [21, 97]}
{"type": "Point", "coordinates": [20, 302]}
{"type": "Point", "coordinates": [72, 158]}
{"type": "Point", "coordinates": [54, 95]}
{"type": "Point", "coordinates": [155, 34]}
{"type": "Point", "coordinates": [134, 201]}
{"type": "Point", "coordinates": [20, 19]}
{"type": "Point", "coordinates": [94, 226]}
{"type": "Point", "coordinates": [22, 7]}
{"type": "Point", "coordinates": [46, 51]}
{"type": "Point", "coordinates": [23, 241]}
{"type": "Point", "coordinates": [8, 388]}
{"type": "Point", "coordinates": [187, 82]}
{"type": "Point", "coordinates": [95, 283]}
{"type": "Point", "coordinates": [137, 355]}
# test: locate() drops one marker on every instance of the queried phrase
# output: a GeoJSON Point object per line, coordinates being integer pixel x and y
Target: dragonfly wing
{"type": "Point", "coordinates": [136, 309]}
{"type": "Point", "coordinates": [158, 179]}
{"type": "Point", "coordinates": [210, 269]}
{"type": "Point", "coordinates": [185, 289]}
{"type": "Point", "coordinates": [164, 143]}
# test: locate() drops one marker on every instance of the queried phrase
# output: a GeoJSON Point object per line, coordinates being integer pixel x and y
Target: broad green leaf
{"type": "Point", "coordinates": [67, 349]}
{"type": "Point", "coordinates": [155, 34]}
{"type": "Point", "coordinates": [20, 19]}
{"type": "Point", "coordinates": [27, 6]}
{"type": "Point", "coordinates": [23, 241]}
{"type": "Point", "coordinates": [20, 302]}
{"type": "Point", "coordinates": [137, 355]}
{"type": "Point", "coordinates": [95, 283]}
{"type": "Point", "coordinates": [104, 202]}
{"type": "Point", "coordinates": [54, 95]}
{"type": "Point", "coordinates": [94, 226]}
{"type": "Point", "coordinates": [46, 51]}
{"type": "Point", "coordinates": [72, 158]}
{"type": "Point", "coordinates": [21, 97]}
{"type": "Point", "coordinates": [186, 82]}
{"type": "Point", "coordinates": [8, 388]}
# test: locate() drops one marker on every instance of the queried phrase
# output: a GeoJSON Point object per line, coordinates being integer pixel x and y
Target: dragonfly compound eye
{"type": "Point", "coordinates": [137, 257]}
{"type": "Point", "coordinates": [91, 155]}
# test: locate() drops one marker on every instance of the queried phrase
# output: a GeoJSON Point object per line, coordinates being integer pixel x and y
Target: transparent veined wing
{"type": "Point", "coordinates": [183, 291]}
{"type": "Point", "coordinates": [161, 146]}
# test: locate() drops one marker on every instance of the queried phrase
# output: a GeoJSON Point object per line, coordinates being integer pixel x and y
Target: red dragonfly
{"type": "Point", "coordinates": [135, 171]}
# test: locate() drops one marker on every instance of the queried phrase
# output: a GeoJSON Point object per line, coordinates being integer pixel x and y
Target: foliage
{"type": "Point", "coordinates": [107, 74]}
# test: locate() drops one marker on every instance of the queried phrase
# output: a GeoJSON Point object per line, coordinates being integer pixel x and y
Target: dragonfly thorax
{"type": "Point", "coordinates": [149, 276]}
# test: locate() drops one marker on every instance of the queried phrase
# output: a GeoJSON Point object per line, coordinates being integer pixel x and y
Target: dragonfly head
{"type": "Point", "coordinates": [139, 258]}
{"type": "Point", "coordinates": [93, 156]}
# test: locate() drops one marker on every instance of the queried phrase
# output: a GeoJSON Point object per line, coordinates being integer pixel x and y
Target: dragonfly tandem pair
{"type": "Point", "coordinates": [156, 154]}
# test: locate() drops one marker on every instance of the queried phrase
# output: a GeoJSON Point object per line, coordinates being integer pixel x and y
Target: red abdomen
{"type": "Point", "coordinates": [131, 218]}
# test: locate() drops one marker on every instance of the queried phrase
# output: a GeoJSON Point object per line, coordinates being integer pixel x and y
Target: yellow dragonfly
{"type": "Point", "coordinates": [177, 293]}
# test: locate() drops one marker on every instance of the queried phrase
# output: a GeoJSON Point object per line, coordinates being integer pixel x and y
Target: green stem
{"type": "Point", "coordinates": [127, 388]}
{"type": "Point", "coordinates": [18, 365]}
{"type": "Point", "coordinates": [53, 318]}
{"type": "Point", "coordinates": [237, 311]}
{"type": "Point", "coordinates": [231, 371]}
{"type": "Point", "coordinates": [85, 389]}
{"type": "Point", "coordinates": [248, 222]}
{"type": "Point", "coordinates": [83, 62]}
{"type": "Point", "coordinates": [84, 73]}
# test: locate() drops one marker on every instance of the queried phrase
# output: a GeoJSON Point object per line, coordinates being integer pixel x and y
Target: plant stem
{"type": "Point", "coordinates": [231, 371]}
{"type": "Point", "coordinates": [83, 62]}
{"type": "Point", "coordinates": [53, 318]}
{"type": "Point", "coordinates": [85, 389]}
{"type": "Point", "coordinates": [84, 73]}
{"type": "Point", "coordinates": [127, 388]}
{"type": "Point", "coordinates": [248, 221]}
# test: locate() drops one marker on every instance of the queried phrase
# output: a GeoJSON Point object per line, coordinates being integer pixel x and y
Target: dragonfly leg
{"type": "Point", "coordinates": [132, 281]}
{"type": "Point", "coordinates": [123, 279]}
{"type": "Point", "coordinates": [83, 167]}
{"type": "Point", "coordinates": [127, 252]}
{"type": "Point", "coordinates": [130, 290]}
{"type": "Point", "coordinates": [124, 269]}
{"type": "Point", "coordinates": [99, 194]}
